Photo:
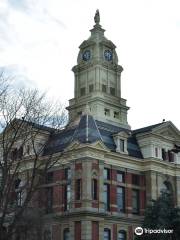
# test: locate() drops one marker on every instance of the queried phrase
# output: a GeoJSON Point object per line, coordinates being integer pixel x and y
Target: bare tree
{"type": "Point", "coordinates": [27, 120]}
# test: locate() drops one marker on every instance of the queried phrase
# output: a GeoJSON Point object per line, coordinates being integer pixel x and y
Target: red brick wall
{"type": "Point", "coordinates": [142, 181]}
{"type": "Point", "coordinates": [113, 175]}
{"type": "Point", "coordinates": [56, 198]}
{"type": "Point", "coordinates": [56, 232]}
{"type": "Point", "coordinates": [61, 199]}
{"type": "Point", "coordinates": [58, 175]}
{"type": "Point", "coordinates": [78, 166]}
{"type": "Point", "coordinates": [95, 231]}
{"type": "Point", "coordinates": [77, 231]}
{"type": "Point", "coordinates": [142, 201]}
{"type": "Point", "coordinates": [113, 197]}
{"type": "Point", "coordinates": [130, 233]}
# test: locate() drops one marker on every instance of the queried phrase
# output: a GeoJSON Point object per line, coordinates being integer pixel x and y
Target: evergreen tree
{"type": "Point", "coordinates": [162, 214]}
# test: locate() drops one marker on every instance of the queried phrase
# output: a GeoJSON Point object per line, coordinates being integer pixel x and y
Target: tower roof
{"type": "Point", "coordinates": [87, 130]}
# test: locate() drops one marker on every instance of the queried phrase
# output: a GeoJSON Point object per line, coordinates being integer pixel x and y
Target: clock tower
{"type": "Point", "coordinates": [98, 80]}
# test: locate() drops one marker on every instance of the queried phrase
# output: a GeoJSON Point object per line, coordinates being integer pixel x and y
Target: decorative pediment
{"type": "Point", "coordinates": [100, 145]}
{"type": "Point", "coordinates": [122, 134]}
{"type": "Point", "coordinates": [167, 130]}
{"type": "Point", "coordinates": [73, 146]}
{"type": "Point", "coordinates": [77, 145]}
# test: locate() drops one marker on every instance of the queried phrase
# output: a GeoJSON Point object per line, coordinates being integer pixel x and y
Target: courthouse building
{"type": "Point", "coordinates": [108, 171]}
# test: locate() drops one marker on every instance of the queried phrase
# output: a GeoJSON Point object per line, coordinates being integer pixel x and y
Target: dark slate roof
{"type": "Point", "coordinates": [34, 125]}
{"type": "Point", "coordinates": [59, 141]}
{"type": "Point", "coordinates": [88, 131]}
{"type": "Point", "coordinates": [146, 129]}
{"type": "Point", "coordinates": [107, 131]}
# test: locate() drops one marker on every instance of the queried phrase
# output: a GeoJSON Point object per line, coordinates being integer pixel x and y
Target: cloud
{"type": "Point", "coordinates": [28, 39]}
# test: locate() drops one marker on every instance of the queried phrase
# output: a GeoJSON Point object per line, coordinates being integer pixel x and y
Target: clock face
{"type": "Point", "coordinates": [86, 55]}
{"type": "Point", "coordinates": [108, 55]}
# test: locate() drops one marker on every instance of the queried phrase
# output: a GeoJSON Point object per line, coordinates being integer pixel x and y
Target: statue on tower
{"type": "Point", "coordinates": [97, 17]}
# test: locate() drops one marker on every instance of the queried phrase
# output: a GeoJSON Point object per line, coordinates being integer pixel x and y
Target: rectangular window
{"type": "Point", "coordinates": [106, 112]}
{"type": "Point", "coordinates": [106, 174]}
{"type": "Point", "coordinates": [112, 91]}
{"type": "Point", "coordinates": [120, 199]}
{"type": "Point", "coordinates": [49, 199]}
{"type": "Point", "coordinates": [121, 145]}
{"type": "Point", "coordinates": [163, 154]}
{"type": "Point", "coordinates": [116, 114]}
{"type": "Point", "coordinates": [67, 197]}
{"type": "Point", "coordinates": [104, 88]}
{"type": "Point", "coordinates": [135, 179]}
{"type": "Point", "coordinates": [170, 156]}
{"type": "Point", "coordinates": [20, 198]}
{"type": "Point", "coordinates": [82, 91]}
{"type": "Point", "coordinates": [120, 176]}
{"type": "Point", "coordinates": [156, 152]}
{"type": "Point", "coordinates": [94, 189]}
{"type": "Point", "coordinates": [91, 88]}
{"type": "Point", "coordinates": [107, 197]}
{"type": "Point", "coordinates": [78, 189]}
{"type": "Point", "coordinates": [67, 173]}
{"type": "Point", "coordinates": [135, 201]}
{"type": "Point", "coordinates": [107, 234]}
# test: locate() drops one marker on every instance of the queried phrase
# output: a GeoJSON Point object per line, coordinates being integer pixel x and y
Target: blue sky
{"type": "Point", "coordinates": [39, 42]}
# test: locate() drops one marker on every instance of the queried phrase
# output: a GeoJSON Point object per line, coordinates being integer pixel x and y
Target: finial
{"type": "Point", "coordinates": [97, 17]}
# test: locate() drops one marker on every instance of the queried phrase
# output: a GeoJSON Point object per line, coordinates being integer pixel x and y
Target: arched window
{"type": "Point", "coordinates": [66, 234]}
{"type": "Point", "coordinates": [107, 234]}
{"type": "Point", "coordinates": [121, 235]}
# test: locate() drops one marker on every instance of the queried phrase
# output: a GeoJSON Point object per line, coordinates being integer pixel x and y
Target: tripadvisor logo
{"type": "Point", "coordinates": [138, 231]}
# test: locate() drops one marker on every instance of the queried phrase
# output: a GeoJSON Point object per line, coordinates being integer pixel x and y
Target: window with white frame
{"type": "Point", "coordinates": [66, 234]}
{"type": "Point", "coordinates": [122, 235]}
{"type": "Point", "coordinates": [107, 234]}
{"type": "Point", "coordinates": [120, 140]}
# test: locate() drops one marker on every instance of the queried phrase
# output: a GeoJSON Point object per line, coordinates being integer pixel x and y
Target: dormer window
{"type": "Point", "coordinates": [156, 152]}
{"type": "Point", "coordinates": [163, 154]}
{"type": "Point", "coordinates": [120, 140]}
{"type": "Point", "coordinates": [122, 143]}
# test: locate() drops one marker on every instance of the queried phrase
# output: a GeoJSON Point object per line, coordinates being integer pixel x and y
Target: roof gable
{"type": "Point", "coordinates": [168, 130]}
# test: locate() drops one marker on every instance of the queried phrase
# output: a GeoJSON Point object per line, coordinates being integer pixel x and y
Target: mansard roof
{"type": "Point", "coordinates": [89, 130]}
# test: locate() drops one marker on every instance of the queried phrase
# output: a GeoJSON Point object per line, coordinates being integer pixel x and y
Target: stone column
{"type": "Point", "coordinates": [86, 230]}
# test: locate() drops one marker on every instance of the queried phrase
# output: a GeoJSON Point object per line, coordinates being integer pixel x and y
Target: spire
{"type": "Point", "coordinates": [97, 17]}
